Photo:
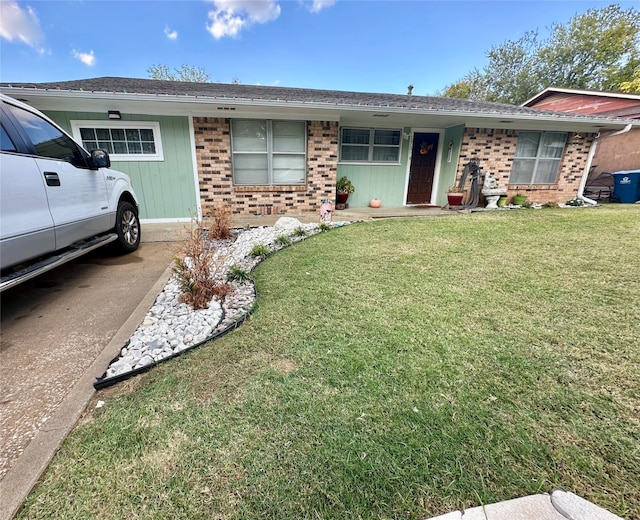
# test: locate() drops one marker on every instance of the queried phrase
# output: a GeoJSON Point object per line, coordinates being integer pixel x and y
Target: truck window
{"type": "Point", "coordinates": [47, 139]}
{"type": "Point", "coordinates": [6, 143]}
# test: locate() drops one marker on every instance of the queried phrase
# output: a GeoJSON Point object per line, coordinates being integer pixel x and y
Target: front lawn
{"type": "Point", "coordinates": [395, 369]}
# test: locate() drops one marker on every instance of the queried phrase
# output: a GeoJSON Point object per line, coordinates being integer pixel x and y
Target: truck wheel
{"type": "Point", "coordinates": [127, 227]}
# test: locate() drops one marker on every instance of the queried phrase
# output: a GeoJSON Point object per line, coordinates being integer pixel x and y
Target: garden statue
{"type": "Point", "coordinates": [491, 191]}
{"type": "Point", "coordinates": [325, 211]}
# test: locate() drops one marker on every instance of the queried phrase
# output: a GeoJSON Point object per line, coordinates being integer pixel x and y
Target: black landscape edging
{"type": "Point", "coordinates": [104, 382]}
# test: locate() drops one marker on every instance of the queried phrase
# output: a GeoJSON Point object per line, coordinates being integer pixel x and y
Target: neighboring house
{"type": "Point", "coordinates": [616, 153]}
{"type": "Point", "coordinates": [189, 147]}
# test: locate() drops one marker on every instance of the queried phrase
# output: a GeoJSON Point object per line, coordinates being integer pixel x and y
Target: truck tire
{"type": "Point", "coordinates": [127, 227]}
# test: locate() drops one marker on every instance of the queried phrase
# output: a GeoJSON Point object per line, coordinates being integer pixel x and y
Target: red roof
{"type": "Point", "coordinates": [610, 104]}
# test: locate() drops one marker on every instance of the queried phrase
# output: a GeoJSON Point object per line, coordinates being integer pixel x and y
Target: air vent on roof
{"type": "Point", "coordinates": [380, 115]}
{"type": "Point", "coordinates": [226, 108]}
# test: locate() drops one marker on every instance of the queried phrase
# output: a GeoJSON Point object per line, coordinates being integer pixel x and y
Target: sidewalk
{"type": "Point", "coordinates": [560, 505]}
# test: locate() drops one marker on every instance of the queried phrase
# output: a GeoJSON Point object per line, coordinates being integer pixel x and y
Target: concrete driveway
{"type": "Point", "coordinates": [57, 335]}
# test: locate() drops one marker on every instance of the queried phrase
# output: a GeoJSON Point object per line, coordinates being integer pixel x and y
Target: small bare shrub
{"type": "Point", "coordinates": [220, 227]}
{"type": "Point", "coordinates": [198, 268]}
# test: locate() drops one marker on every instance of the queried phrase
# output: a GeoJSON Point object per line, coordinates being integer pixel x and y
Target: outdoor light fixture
{"type": "Point", "coordinates": [114, 114]}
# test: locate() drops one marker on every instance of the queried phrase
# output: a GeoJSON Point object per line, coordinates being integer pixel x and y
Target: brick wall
{"type": "Point", "coordinates": [496, 149]}
{"type": "Point", "coordinates": [215, 173]}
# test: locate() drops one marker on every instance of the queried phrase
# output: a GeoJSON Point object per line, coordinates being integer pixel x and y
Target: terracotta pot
{"type": "Point", "coordinates": [375, 203]}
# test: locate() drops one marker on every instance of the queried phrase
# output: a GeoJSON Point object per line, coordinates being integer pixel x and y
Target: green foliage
{"type": "Point", "coordinates": [632, 86]}
{"type": "Point", "coordinates": [238, 274]}
{"type": "Point", "coordinates": [599, 49]}
{"type": "Point", "coordinates": [595, 50]}
{"type": "Point", "coordinates": [259, 250]}
{"type": "Point", "coordinates": [550, 204]}
{"type": "Point", "coordinates": [343, 185]}
{"type": "Point", "coordinates": [300, 232]}
{"type": "Point", "coordinates": [184, 73]}
{"type": "Point", "coordinates": [284, 240]}
{"type": "Point", "coordinates": [324, 226]}
{"type": "Point", "coordinates": [463, 89]}
{"type": "Point", "coordinates": [575, 202]}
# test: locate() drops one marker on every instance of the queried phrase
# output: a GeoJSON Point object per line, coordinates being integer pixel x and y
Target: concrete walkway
{"type": "Point", "coordinates": [172, 231]}
{"type": "Point", "coordinates": [26, 471]}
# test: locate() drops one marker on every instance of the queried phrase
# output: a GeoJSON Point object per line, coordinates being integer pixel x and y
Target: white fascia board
{"type": "Point", "coordinates": [180, 105]}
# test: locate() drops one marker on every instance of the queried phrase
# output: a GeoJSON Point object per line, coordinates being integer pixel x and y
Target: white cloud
{"type": "Point", "coordinates": [85, 57]}
{"type": "Point", "coordinates": [172, 35]}
{"type": "Point", "coordinates": [229, 17]}
{"type": "Point", "coordinates": [20, 24]}
{"type": "Point", "coordinates": [318, 5]}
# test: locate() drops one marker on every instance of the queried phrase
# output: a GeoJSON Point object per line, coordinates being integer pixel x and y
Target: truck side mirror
{"type": "Point", "coordinates": [100, 159]}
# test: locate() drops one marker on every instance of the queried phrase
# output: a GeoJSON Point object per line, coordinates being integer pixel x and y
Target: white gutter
{"type": "Point", "coordinates": [179, 100]}
{"type": "Point", "coordinates": [592, 152]}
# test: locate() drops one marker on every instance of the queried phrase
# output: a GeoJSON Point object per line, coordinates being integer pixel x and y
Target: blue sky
{"type": "Point", "coordinates": [361, 45]}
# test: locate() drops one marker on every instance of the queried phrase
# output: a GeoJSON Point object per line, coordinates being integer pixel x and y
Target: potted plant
{"type": "Point", "coordinates": [519, 199]}
{"type": "Point", "coordinates": [455, 195]}
{"type": "Point", "coordinates": [343, 189]}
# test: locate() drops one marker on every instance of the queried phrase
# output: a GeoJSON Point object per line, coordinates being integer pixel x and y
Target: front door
{"type": "Point", "coordinates": [423, 167]}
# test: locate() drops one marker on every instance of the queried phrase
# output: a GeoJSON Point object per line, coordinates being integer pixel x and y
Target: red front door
{"type": "Point", "coordinates": [423, 167]}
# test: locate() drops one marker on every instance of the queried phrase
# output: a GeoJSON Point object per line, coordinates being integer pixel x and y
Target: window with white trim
{"type": "Point", "coordinates": [372, 145]}
{"type": "Point", "coordinates": [268, 152]}
{"type": "Point", "coordinates": [124, 140]}
{"type": "Point", "coordinates": [537, 158]}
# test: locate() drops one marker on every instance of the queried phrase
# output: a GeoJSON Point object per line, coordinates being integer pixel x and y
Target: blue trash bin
{"type": "Point", "coordinates": [626, 186]}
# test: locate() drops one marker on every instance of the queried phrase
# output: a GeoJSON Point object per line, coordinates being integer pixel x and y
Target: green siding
{"type": "Point", "coordinates": [165, 189]}
{"type": "Point", "coordinates": [448, 170]}
{"type": "Point", "coordinates": [386, 182]}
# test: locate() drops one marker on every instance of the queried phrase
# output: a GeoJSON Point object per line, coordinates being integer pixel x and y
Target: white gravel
{"type": "Point", "coordinates": [171, 327]}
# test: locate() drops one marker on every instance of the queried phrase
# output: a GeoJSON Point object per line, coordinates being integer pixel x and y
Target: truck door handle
{"type": "Point", "coordinates": [52, 178]}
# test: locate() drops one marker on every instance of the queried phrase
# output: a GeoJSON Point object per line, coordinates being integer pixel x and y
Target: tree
{"type": "Point", "coordinates": [599, 49]}
{"type": "Point", "coordinates": [633, 86]}
{"type": "Point", "coordinates": [468, 87]}
{"type": "Point", "coordinates": [184, 73]}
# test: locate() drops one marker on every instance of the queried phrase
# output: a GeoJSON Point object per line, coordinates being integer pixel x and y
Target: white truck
{"type": "Point", "coordinates": [57, 201]}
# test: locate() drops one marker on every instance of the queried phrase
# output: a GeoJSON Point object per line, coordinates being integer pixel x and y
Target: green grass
{"type": "Point", "coordinates": [395, 369]}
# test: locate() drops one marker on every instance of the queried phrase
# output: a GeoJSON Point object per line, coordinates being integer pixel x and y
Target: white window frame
{"type": "Point", "coordinates": [154, 126]}
{"type": "Point", "coordinates": [371, 145]}
{"type": "Point", "coordinates": [534, 174]}
{"type": "Point", "coordinates": [269, 152]}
